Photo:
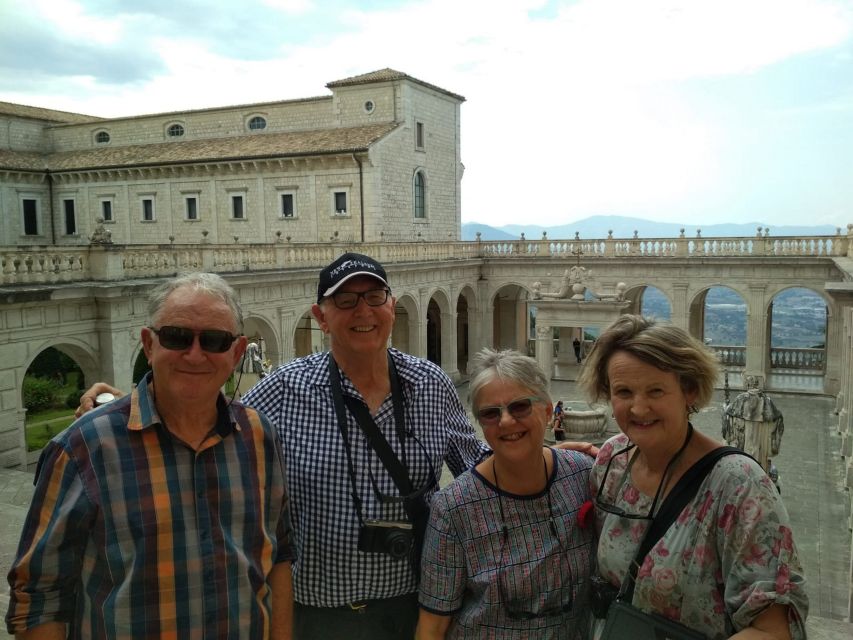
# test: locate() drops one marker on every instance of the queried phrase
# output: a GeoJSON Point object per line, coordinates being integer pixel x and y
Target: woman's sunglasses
{"type": "Point", "coordinates": [518, 409]}
{"type": "Point", "coordinates": [180, 338]}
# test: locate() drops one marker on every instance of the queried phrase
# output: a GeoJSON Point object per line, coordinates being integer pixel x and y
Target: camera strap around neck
{"type": "Point", "coordinates": [375, 439]}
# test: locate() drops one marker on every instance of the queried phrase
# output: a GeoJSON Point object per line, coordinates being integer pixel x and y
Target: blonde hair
{"type": "Point", "coordinates": [663, 346]}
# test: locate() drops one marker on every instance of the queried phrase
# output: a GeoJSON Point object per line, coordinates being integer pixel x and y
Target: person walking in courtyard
{"type": "Point", "coordinates": [577, 347]}
{"type": "Point", "coordinates": [725, 564]}
{"type": "Point", "coordinates": [164, 513]}
{"type": "Point", "coordinates": [358, 512]}
{"type": "Point", "coordinates": [508, 552]}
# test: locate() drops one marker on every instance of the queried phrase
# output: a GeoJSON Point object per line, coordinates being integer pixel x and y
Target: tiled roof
{"type": "Point", "coordinates": [387, 75]}
{"type": "Point", "coordinates": [48, 115]}
{"type": "Point", "coordinates": [22, 160]}
{"type": "Point", "coordinates": [245, 147]}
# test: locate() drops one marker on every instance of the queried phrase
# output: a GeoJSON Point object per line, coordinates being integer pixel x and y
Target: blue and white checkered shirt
{"type": "Point", "coordinates": [329, 571]}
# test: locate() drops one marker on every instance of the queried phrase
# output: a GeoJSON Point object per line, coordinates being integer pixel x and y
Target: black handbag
{"type": "Point", "coordinates": [625, 620]}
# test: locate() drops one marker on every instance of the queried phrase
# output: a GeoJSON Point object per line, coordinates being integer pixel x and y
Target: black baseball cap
{"type": "Point", "coordinates": [348, 266]}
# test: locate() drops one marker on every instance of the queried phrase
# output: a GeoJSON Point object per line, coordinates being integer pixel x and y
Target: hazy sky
{"type": "Point", "coordinates": [678, 111]}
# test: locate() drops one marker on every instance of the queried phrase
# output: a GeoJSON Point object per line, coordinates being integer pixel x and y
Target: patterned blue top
{"type": "Point", "coordinates": [465, 556]}
{"type": "Point", "coordinates": [329, 571]}
{"type": "Point", "coordinates": [132, 534]}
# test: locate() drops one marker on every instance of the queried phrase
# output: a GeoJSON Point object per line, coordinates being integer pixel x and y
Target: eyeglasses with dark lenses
{"type": "Point", "coordinates": [349, 299]}
{"type": "Point", "coordinates": [612, 508]}
{"type": "Point", "coordinates": [518, 409]}
{"type": "Point", "coordinates": [180, 338]}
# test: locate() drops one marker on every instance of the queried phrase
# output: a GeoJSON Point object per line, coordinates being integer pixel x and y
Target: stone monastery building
{"type": "Point", "coordinates": [378, 159]}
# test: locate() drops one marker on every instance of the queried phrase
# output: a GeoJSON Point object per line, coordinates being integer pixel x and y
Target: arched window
{"type": "Point", "coordinates": [257, 123]}
{"type": "Point", "coordinates": [102, 137]}
{"type": "Point", "coordinates": [175, 131]}
{"type": "Point", "coordinates": [420, 195]}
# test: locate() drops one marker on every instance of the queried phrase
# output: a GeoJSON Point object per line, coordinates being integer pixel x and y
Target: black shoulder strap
{"type": "Point", "coordinates": [682, 493]}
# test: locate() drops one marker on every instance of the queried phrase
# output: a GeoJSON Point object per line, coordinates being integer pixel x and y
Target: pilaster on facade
{"type": "Point", "coordinates": [545, 349]}
{"type": "Point", "coordinates": [757, 333]}
{"type": "Point", "coordinates": [680, 305]}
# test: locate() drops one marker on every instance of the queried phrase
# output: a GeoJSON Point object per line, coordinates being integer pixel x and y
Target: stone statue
{"type": "Point", "coordinates": [100, 235]}
{"type": "Point", "coordinates": [753, 423]}
{"type": "Point", "coordinates": [573, 279]}
{"type": "Point", "coordinates": [617, 296]}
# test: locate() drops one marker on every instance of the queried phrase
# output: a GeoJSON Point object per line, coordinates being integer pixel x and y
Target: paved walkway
{"type": "Point", "coordinates": [812, 486]}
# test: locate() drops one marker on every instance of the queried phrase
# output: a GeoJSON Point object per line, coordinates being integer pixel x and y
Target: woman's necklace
{"type": "Point", "coordinates": [504, 528]}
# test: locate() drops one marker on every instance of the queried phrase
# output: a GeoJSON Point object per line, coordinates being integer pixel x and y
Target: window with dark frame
{"type": "Point", "coordinates": [31, 221]}
{"type": "Point", "coordinates": [70, 218]}
{"type": "Point", "coordinates": [175, 131]}
{"type": "Point", "coordinates": [148, 210]}
{"type": "Point", "coordinates": [102, 137]}
{"type": "Point", "coordinates": [340, 201]}
{"type": "Point", "coordinates": [192, 208]}
{"type": "Point", "coordinates": [237, 207]}
{"type": "Point", "coordinates": [107, 210]}
{"type": "Point", "coordinates": [286, 205]}
{"type": "Point", "coordinates": [419, 135]}
{"type": "Point", "coordinates": [420, 195]}
{"type": "Point", "coordinates": [257, 123]}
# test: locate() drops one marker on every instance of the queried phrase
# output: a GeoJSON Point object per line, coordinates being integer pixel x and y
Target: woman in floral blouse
{"type": "Point", "coordinates": [728, 566]}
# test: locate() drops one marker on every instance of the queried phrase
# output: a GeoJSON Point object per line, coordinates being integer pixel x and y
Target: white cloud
{"type": "Point", "coordinates": [69, 17]}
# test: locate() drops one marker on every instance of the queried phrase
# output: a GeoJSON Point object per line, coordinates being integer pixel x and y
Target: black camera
{"type": "Point", "coordinates": [601, 595]}
{"type": "Point", "coordinates": [386, 536]}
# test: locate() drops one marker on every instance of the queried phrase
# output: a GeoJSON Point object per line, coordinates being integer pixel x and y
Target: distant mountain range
{"type": "Point", "coordinates": [624, 227]}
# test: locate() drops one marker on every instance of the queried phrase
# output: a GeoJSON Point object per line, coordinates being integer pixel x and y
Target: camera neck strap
{"type": "Point", "coordinates": [375, 439]}
{"type": "Point", "coordinates": [683, 491]}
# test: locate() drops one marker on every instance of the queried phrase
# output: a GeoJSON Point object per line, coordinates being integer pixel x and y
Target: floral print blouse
{"type": "Point", "coordinates": [728, 556]}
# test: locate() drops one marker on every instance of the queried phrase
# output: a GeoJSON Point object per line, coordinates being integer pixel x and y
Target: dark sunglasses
{"type": "Point", "coordinates": [518, 409]}
{"type": "Point", "coordinates": [180, 338]}
{"type": "Point", "coordinates": [349, 299]}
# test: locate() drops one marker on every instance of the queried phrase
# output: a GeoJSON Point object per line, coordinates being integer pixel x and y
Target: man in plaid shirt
{"type": "Point", "coordinates": [162, 514]}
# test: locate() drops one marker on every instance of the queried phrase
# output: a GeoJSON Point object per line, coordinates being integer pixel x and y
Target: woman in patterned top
{"type": "Point", "coordinates": [727, 567]}
{"type": "Point", "coordinates": [506, 555]}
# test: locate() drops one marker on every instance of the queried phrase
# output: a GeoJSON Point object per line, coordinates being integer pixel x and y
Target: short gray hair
{"type": "Point", "coordinates": [507, 366]}
{"type": "Point", "coordinates": [664, 346]}
{"type": "Point", "coordinates": [208, 283]}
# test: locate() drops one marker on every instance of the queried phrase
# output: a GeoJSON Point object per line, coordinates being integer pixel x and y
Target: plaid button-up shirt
{"type": "Point", "coordinates": [132, 534]}
{"type": "Point", "coordinates": [329, 570]}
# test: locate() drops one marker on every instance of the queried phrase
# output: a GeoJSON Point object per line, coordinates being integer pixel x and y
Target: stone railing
{"type": "Point", "coordinates": [681, 247]}
{"type": "Point", "coordinates": [54, 265]}
{"type": "Point", "coordinates": [729, 355]}
{"type": "Point", "coordinates": [798, 359]}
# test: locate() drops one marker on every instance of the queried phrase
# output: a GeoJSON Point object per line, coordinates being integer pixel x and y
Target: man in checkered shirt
{"type": "Point", "coordinates": [341, 591]}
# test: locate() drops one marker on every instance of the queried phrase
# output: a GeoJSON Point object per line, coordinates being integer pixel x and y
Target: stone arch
{"type": "Point", "coordinates": [437, 314]}
{"type": "Point", "coordinates": [307, 336]}
{"type": "Point", "coordinates": [723, 326]}
{"type": "Point", "coordinates": [808, 312]}
{"type": "Point", "coordinates": [75, 349]}
{"type": "Point", "coordinates": [259, 328]}
{"type": "Point", "coordinates": [404, 335]}
{"type": "Point", "coordinates": [510, 319]}
{"type": "Point", "coordinates": [466, 320]}
{"type": "Point", "coordinates": [650, 300]}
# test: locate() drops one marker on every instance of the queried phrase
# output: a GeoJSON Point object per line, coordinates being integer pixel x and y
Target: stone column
{"type": "Point", "coordinates": [545, 349]}
{"type": "Point", "coordinates": [565, 349]}
{"type": "Point", "coordinates": [757, 333]}
{"type": "Point", "coordinates": [448, 345]}
{"type": "Point", "coordinates": [680, 309]}
{"type": "Point", "coordinates": [834, 344]}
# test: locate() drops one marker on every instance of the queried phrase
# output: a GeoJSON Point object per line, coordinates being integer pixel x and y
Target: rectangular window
{"type": "Point", "coordinates": [419, 135]}
{"type": "Point", "coordinates": [147, 210]}
{"type": "Point", "coordinates": [107, 210]}
{"type": "Point", "coordinates": [70, 218]}
{"type": "Point", "coordinates": [31, 221]}
{"type": "Point", "coordinates": [286, 205]}
{"type": "Point", "coordinates": [237, 207]}
{"type": "Point", "coordinates": [192, 208]}
{"type": "Point", "coordinates": [340, 202]}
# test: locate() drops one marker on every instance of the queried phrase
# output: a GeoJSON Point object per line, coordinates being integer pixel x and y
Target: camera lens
{"type": "Point", "coordinates": [398, 544]}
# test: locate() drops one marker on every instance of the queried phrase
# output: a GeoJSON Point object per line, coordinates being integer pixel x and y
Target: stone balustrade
{"type": "Point", "coordinates": [798, 359]}
{"type": "Point", "coordinates": [51, 265]}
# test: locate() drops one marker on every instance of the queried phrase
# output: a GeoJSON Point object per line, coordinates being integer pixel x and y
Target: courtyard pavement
{"type": "Point", "coordinates": [812, 479]}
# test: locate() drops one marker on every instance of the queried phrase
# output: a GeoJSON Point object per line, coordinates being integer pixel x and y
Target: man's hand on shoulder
{"type": "Point", "coordinates": [584, 447]}
{"type": "Point", "coordinates": [87, 400]}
